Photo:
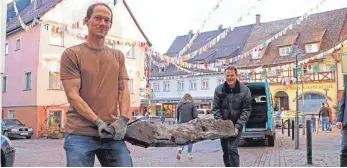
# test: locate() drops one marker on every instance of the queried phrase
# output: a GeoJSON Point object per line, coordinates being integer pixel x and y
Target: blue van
{"type": "Point", "coordinates": [260, 124]}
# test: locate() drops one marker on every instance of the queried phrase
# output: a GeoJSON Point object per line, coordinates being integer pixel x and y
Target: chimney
{"type": "Point", "coordinates": [220, 27]}
{"type": "Point", "coordinates": [257, 19]}
{"type": "Point", "coordinates": [190, 34]}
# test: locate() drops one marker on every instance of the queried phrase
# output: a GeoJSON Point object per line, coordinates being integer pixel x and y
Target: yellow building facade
{"type": "Point", "coordinates": [285, 95]}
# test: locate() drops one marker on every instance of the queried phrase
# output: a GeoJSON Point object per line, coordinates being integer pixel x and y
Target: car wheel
{"type": "Point", "coordinates": [28, 137]}
{"type": "Point", "coordinates": [271, 140]}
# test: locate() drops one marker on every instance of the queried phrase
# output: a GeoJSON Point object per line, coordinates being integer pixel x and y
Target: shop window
{"type": "Point", "coordinates": [54, 118]}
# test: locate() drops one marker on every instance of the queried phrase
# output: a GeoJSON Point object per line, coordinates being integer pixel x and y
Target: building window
{"type": "Point", "coordinates": [54, 81]}
{"type": "Point", "coordinates": [6, 48]}
{"type": "Point", "coordinates": [11, 114]}
{"type": "Point", "coordinates": [156, 87]}
{"type": "Point", "coordinates": [18, 44]}
{"type": "Point", "coordinates": [220, 81]}
{"type": "Point", "coordinates": [131, 85]}
{"type": "Point", "coordinates": [4, 84]}
{"type": "Point", "coordinates": [56, 39]}
{"type": "Point", "coordinates": [27, 79]}
{"type": "Point", "coordinates": [180, 85]}
{"type": "Point", "coordinates": [192, 85]}
{"type": "Point", "coordinates": [204, 85]}
{"type": "Point", "coordinates": [284, 51]}
{"type": "Point", "coordinates": [311, 48]}
{"type": "Point", "coordinates": [275, 72]}
{"type": "Point", "coordinates": [256, 55]}
{"type": "Point", "coordinates": [307, 68]}
{"type": "Point", "coordinates": [166, 86]}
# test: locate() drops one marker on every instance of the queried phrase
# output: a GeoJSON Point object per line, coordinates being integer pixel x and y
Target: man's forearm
{"type": "Point", "coordinates": [81, 107]}
{"type": "Point", "coordinates": [124, 99]}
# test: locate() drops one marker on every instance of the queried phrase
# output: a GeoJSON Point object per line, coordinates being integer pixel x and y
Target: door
{"type": "Point", "coordinates": [282, 100]}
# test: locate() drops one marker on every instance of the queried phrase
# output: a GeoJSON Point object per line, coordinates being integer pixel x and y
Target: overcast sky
{"type": "Point", "coordinates": [163, 20]}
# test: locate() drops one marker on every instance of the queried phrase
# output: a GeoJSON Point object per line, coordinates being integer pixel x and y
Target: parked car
{"type": "Point", "coordinates": [278, 119]}
{"type": "Point", "coordinates": [290, 114]}
{"type": "Point", "coordinates": [13, 128]}
{"type": "Point", "coordinates": [7, 152]}
{"type": "Point", "coordinates": [205, 113]}
{"type": "Point", "coordinates": [260, 124]}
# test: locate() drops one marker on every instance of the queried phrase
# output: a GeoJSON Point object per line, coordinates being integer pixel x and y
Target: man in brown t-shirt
{"type": "Point", "coordinates": [95, 80]}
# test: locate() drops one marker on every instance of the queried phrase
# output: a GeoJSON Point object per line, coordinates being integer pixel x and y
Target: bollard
{"type": "Point", "coordinates": [282, 127]}
{"type": "Point", "coordinates": [293, 130]}
{"type": "Point", "coordinates": [288, 121]}
{"type": "Point", "coordinates": [303, 125]}
{"type": "Point", "coordinates": [309, 141]}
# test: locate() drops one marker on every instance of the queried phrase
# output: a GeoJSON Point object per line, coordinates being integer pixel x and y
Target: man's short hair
{"type": "Point", "coordinates": [322, 104]}
{"type": "Point", "coordinates": [90, 9]}
{"type": "Point", "coordinates": [231, 68]}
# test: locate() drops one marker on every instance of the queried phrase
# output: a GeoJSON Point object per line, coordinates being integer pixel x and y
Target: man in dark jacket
{"type": "Point", "coordinates": [342, 124]}
{"type": "Point", "coordinates": [232, 101]}
{"type": "Point", "coordinates": [324, 113]}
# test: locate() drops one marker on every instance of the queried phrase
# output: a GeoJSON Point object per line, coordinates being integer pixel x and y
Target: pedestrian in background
{"type": "Point", "coordinates": [232, 101]}
{"type": "Point", "coordinates": [186, 111]}
{"type": "Point", "coordinates": [341, 124]}
{"type": "Point", "coordinates": [330, 117]}
{"type": "Point", "coordinates": [314, 120]}
{"type": "Point", "coordinates": [324, 113]}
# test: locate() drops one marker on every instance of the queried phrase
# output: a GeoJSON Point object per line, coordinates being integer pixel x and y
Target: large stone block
{"type": "Point", "coordinates": [146, 134]}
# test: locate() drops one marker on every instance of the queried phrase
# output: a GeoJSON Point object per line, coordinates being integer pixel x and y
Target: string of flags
{"type": "Point", "coordinates": [190, 42]}
{"type": "Point", "coordinates": [260, 69]}
{"type": "Point", "coordinates": [213, 42]}
{"type": "Point", "coordinates": [216, 66]}
{"type": "Point", "coordinates": [180, 57]}
{"type": "Point", "coordinates": [324, 54]}
{"type": "Point", "coordinates": [25, 27]}
{"type": "Point", "coordinates": [73, 30]}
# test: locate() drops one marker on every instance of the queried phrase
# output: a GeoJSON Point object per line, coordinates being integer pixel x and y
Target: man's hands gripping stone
{"type": "Point", "coordinates": [119, 128]}
{"type": "Point", "coordinates": [104, 130]}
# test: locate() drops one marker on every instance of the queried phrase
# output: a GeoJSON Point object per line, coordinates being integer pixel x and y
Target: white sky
{"type": "Point", "coordinates": [163, 20]}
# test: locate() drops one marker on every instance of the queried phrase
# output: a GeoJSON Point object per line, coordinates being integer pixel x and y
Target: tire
{"type": "Point", "coordinates": [271, 140]}
{"type": "Point", "coordinates": [28, 137]}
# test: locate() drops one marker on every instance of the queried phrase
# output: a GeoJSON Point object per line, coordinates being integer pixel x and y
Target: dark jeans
{"type": "Point", "coordinates": [231, 155]}
{"type": "Point", "coordinates": [81, 151]}
{"type": "Point", "coordinates": [343, 155]}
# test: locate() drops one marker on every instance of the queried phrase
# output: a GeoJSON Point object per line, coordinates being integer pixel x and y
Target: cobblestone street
{"type": "Point", "coordinates": [326, 147]}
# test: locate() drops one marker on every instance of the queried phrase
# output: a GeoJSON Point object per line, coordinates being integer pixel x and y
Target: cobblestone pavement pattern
{"type": "Point", "coordinates": [326, 146]}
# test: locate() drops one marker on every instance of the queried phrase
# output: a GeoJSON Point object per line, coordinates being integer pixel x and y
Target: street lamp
{"type": "Point", "coordinates": [296, 53]}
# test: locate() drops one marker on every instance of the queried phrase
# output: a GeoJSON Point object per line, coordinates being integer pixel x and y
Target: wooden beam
{"type": "Point", "coordinates": [146, 134]}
